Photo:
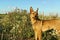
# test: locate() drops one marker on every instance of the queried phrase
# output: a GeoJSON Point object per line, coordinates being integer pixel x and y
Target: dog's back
{"type": "Point", "coordinates": [51, 24]}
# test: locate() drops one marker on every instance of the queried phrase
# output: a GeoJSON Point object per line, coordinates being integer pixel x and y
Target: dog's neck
{"type": "Point", "coordinates": [34, 20]}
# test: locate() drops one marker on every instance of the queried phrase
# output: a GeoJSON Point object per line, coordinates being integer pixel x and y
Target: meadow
{"type": "Point", "coordinates": [16, 25]}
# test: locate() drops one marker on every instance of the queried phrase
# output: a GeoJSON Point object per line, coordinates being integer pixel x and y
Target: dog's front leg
{"type": "Point", "coordinates": [40, 35]}
{"type": "Point", "coordinates": [35, 35]}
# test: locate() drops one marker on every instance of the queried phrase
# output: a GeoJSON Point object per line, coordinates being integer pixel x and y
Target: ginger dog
{"type": "Point", "coordinates": [42, 25]}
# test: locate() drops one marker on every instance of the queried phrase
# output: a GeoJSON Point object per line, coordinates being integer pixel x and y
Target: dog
{"type": "Point", "coordinates": [40, 26]}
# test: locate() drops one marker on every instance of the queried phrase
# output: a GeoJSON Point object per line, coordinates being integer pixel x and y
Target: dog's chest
{"type": "Point", "coordinates": [37, 26]}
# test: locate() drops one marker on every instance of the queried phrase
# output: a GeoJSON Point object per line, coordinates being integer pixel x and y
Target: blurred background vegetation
{"type": "Point", "coordinates": [16, 25]}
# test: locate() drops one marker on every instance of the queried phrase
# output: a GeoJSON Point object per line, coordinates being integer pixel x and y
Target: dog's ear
{"type": "Point", "coordinates": [37, 10]}
{"type": "Point", "coordinates": [31, 9]}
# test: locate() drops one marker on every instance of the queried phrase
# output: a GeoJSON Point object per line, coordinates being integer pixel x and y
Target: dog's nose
{"type": "Point", "coordinates": [35, 16]}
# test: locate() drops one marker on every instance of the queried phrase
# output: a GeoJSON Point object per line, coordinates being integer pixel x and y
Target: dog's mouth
{"type": "Point", "coordinates": [34, 17]}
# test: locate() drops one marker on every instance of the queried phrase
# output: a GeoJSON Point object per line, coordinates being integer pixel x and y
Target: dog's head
{"type": "Point", "coordinates": [33, 14]}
